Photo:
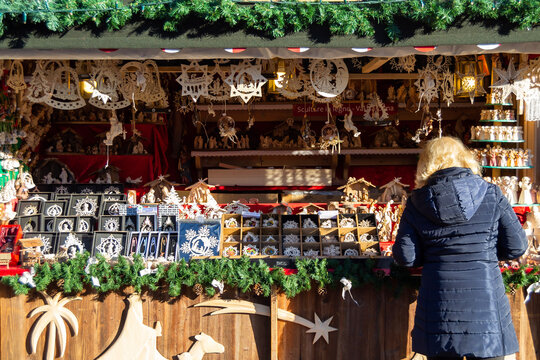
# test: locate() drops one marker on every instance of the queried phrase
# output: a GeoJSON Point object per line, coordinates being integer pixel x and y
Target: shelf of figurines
{"type": "Point", "coordinates": [345, 235]}
{"type": "Point", "coordinates": [499, 121]}
{"type": "Point", "coordinates": [499, 104]}
{"type": "Point", "coordinates": [508, 167]}
{"type": "Point", "coordinates": [499, 141]}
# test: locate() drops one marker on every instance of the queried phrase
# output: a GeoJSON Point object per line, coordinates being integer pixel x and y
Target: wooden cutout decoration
{"type": "Point", "coordinates": [375, 110]}
{"type": "Point", "coordinates": [246, 80]}
{"type": "Point", "coordinates": [16, 76]}
{"type": "Point", "coordinates": [194, 80]}
{"type": "Point", "coordinates": [65, 91]}
{"type": "Point", "coordinates": [140, 81]}
{"type": "Point", "coordinates": [204, 344]}
{"type": "Point", "coordinates": [295, 83]}
{"type": "Point", "coordinates": [41, 83]}
{"type": "Point", "coordinates": [329, 77]}
{"type": "Point", "coordinates": [106, 77]}
{"type": "Point", "coordinates": [218, 90]}
{"type": "Point", "coordinates": [136, 340]}
{"type": "Point", "coordinates": [199, 193]}
{"type": "Point", "coordinates": [53, 317]}
{"type": "Point", "coordinates": [319, 328]}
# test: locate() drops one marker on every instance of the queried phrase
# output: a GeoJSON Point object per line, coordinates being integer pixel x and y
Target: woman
{"type": "Point", "coordinates": [458, 226]}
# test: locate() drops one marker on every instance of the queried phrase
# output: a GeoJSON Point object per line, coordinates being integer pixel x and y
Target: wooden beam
{"type": "Point", "coordinates": [374, 64]}
{"type": "Point", "coordinates": [274, 341]}
{"type": "Point", "coordinates": [383, 76]}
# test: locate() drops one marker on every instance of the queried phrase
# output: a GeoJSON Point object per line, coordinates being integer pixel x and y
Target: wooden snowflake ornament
{"type": "Point", "coordinates": [512, 81]}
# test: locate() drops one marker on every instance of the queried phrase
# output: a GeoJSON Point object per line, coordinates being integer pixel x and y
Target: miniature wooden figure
{"type": "Point", "coordinates": [394, 190]}
{"type": "Point", "coordinates": [356, 190]}
{"type": "Point", "coordinates": [199, 193]}
{"type": "Point", "coordinates": [311, 209]}
{"type": "Point", "coordinates": [30, 252]}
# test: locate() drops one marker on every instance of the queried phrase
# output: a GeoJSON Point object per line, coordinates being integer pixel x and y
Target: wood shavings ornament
{"type": "Point", "coordinates": [140, 81]}
{"type": "Point", "coordinates": [295, 83]}
{"type": "Point", "coordinates": [471, 84]}
{"type": "Point", "coordinates": [375, 110]}
{"type": "Point", "coordinates": [115, 130]}
{"type": "Point", "coordinates": [105, 78]}
{"type": "Point", "coordinates": [447, 87]}
{"type": "Point", "coordinates": [426, 86]}
{"type": "Point", "coordinates": [357, 63]}
{"type": "Point", "coordinates": [42, 80]}
{"type": "Point", "coordinates": [218, 90]}
{"type": "Point", "coordinates": [330, 138]}
{"type": "Point", "coordinates": [194, 80]}
{"type": "Point", "coordinates": [227, 128]}
{"type": "Point", "coordinates": [328, 77]}
{"type": "Point", "coordinates": [246, 80]}
{"type": "Point", "coordinates": [65, 91]}
{"type": "Point", "coordinates": [512, 81]}
{"type": "Point", "coordinates": [183, 104]}
{"type": "Point", "coordinates": [532, 97]}
{"type": "Point", "coordinates": [16, 76]}
{"type": "Point", "coordinates": [403, 63]}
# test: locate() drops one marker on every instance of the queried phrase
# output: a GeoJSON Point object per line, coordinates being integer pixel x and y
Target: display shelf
{"type": "Point", "coordinates": [270, 152]}
{"type": "Point", "coordinates": [500, 141]}
{"type": "Point", "coordinates": [501, 121]}
{"type": "Point", "coordinates": [508, 167]}
{"type": "Point", "coordinates": [499, 104]}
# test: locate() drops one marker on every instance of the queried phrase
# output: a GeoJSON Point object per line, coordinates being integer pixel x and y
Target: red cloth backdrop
{"type": "Point", "coordinates": [155, 141]}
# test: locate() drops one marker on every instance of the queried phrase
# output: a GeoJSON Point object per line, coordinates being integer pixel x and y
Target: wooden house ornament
{"type": "Point", "coordinates": [394, 190]}
{"type": "Point", "coordinates": [356, 190]}
{"type": "Point", "coordinates": [159, 188]}
{"type": "Point", "coordinates": [199, 193]}
{"type": "Point", "coordinates": [311, 208]}
{"type": "Point", "coordinates": [30, 253]}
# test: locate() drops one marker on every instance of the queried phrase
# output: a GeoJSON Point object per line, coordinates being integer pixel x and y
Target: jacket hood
{"type": "Point", "coordinates": [451, 196]}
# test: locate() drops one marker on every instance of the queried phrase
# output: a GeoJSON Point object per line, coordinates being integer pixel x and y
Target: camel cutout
{"type": "Point", "coordinates": [204, 344]}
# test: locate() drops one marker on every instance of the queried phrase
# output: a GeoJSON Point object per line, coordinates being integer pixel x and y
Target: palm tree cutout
{"type": "Point", "coordinates": [54, 315]}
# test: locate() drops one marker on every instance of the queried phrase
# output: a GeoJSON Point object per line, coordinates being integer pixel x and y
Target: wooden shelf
{"type": "Point", "coordinates": [500, 141]}
{"type": "Point", "coordinates": [508, 167]}
{"type": "Point", "coordinates": [501, 121]}
{"type": "Point", "coordinates": [271, 152]}
{"type": "Point", "coordinates": [498, 104]}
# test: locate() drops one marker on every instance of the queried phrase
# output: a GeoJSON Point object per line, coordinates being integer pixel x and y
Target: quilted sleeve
{"type": "Point", "coordinates": [512, 241]}
{"type": "Point", "coordinates": [407, 250]}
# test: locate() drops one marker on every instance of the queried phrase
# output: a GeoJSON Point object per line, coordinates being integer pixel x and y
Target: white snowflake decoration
{"type": "Point", "coordinates": [199, 243]}
{"type": "Point", "coordinates": [331, 250]}
{"type": "Point", "coordinates": [73, 245]}
{"type": "Point", "coordinates": [329, 77]}
{"type": "Point", "coordinates": [250, 237]}
{"type": "Point", "coordinates": [375, 109]}
{"type": "Point", "coordinates": [311, 252]}
{"type": "Point", "coordinates": [46, 247]}
{"type": "Point", "coordinates": [194, 80]}
{"type": "Point", "coordinates": [309, 224]}
{"type": "Point", "coordinates": [230, 251]}
{"type": "Point", "coordinates": [291, 238]}
{"type": "Point", "coordinates": [365, 223]}
{"type": "Point", "coordinates": [250, 250]}
{"type": "Point", "coordinates": [110, 246]}
{"type": "Point", "coordinates": [291, 251]}
{"type": "Point", "coordinates": [310, 239]}
{"type": "Point", "coordinates": [246, 80]}
{"type": "Point", "coordinates": [86, 207]}
{"type": "Point", "coordinates": [290, 224]}
{"type": "Point", "coordinates": [54, 210]}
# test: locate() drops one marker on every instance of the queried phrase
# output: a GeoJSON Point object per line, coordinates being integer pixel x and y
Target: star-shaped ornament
{"type": "Point", "coordinates": [194, 80]}
{"type": "Point", "coordinates": [471, 84]}
{"type": "Point", "coordinates": [246, 80]}
{"type": "Point", "coordinates": [321, 328]}
{"type": "Point", "coordinates": [512, 81]}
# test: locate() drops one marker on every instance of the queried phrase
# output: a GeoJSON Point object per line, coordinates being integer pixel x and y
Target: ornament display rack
{"type": "Point", "coordinates": [244, 236]}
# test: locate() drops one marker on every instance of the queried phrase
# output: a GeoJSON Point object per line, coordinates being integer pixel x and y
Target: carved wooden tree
{"type": "Point", "coordinates": [53, 317]}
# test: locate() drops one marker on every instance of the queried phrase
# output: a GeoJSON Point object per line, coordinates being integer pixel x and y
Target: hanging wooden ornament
{"type": "Point", "coordinates": [512, 81]}
{"type": "Point", "coordinates": [295, 83]}
{"type": "Point", "coordinates": [42, 80]}
{"type": "Point", "coordinates": [426, 85]}
{"type": "Point", "coordinates": [218, 90]}
{"type": "Point", "coordinates": [183, 104]}
{"type": "Point", "coordinates": [66, 93]}
{"type": "Point", "coordinates": [330, 138]}
{"type": "Point", "coordinates": [375, 110]}
{"type": "Point", "coordinates": [227, 128]}
{"type": "Point", "coordinates": [330, 77]}
{"type": "Point", "coordinates": [140, 81]}
{"type": "Point", "coordinates": [403, 63]}
{"type": "Point", "coordinates": [16, 76]}
{"type": "Point", "coordinates": [105, 77]}
{"type": "Point", "coordinates": [447, 87]}
{"type": "Point", "coordinates": [474, 88]}
{"type": "Point", "coordinates": [194, 80]}
{"type": "Point", "coordinates": [246, 80]}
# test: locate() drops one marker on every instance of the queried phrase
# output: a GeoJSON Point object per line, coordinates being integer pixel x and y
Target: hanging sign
{"type": "Point", "coordinates": [321, 110]}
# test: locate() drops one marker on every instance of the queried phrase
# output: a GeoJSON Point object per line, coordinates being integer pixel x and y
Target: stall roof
{"type": "Point", "coordinates": [145, 40]}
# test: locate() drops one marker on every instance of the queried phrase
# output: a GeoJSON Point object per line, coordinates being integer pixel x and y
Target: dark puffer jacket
{"type": "Point", "coordinates": [457, 227]}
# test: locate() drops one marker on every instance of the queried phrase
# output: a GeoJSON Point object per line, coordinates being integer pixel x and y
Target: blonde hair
{"type": "Point", "coordinates": [443, 153]}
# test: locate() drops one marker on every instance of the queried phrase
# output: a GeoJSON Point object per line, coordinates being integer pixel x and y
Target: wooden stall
{"type": "Point", "coordinates": [376, 328]}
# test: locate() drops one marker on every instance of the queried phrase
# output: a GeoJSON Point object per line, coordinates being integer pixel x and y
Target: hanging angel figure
{"type": "Point", "coordinates": [349, 125]}
{"type": "Point", "coordinates": [115, 130]}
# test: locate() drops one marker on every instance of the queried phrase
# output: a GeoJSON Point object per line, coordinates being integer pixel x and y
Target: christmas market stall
{"type": "Point", "coordinates": [225, 180]}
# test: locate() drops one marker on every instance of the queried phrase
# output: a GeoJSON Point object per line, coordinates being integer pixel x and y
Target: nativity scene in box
{"type": "Point", "coordinates": [311, 208]}
{"type": "Point", "coordinates": [53, 171]}
{"type": "Point", "coordinates": [107, 175]}
{"type": "Point", "coordinates": [67, 141]}
{"type": "Point", "coordinates": [159, 190]}
{"type": "Point", "coordinates": [199, 193]}
{"type": "Point", "coordinates": [356, 190]}
{"type": "Point", "coordinates": [394, 190]}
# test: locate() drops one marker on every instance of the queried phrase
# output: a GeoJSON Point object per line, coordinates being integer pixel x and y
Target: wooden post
{"type": "Point", "coordinates": [274, 324]}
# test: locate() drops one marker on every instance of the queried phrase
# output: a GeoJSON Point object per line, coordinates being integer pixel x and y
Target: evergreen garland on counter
{"type": "Point", "coordinates": [243, 274]}
{"type": "Point", "coordinates": [273, 18]}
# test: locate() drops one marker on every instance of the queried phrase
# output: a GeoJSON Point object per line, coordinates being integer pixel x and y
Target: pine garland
{"type": "Point", "coordinates": [72, 276]}
{"type": "Point", "coordinates": [273, 19]}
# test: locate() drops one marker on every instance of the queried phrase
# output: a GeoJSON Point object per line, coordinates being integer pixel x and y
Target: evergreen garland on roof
{"type": "Point", "coordinates": [273, 19]}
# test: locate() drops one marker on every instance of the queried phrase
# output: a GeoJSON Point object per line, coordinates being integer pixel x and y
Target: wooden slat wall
{"type": "Point", "coordinates": [377, 329]}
